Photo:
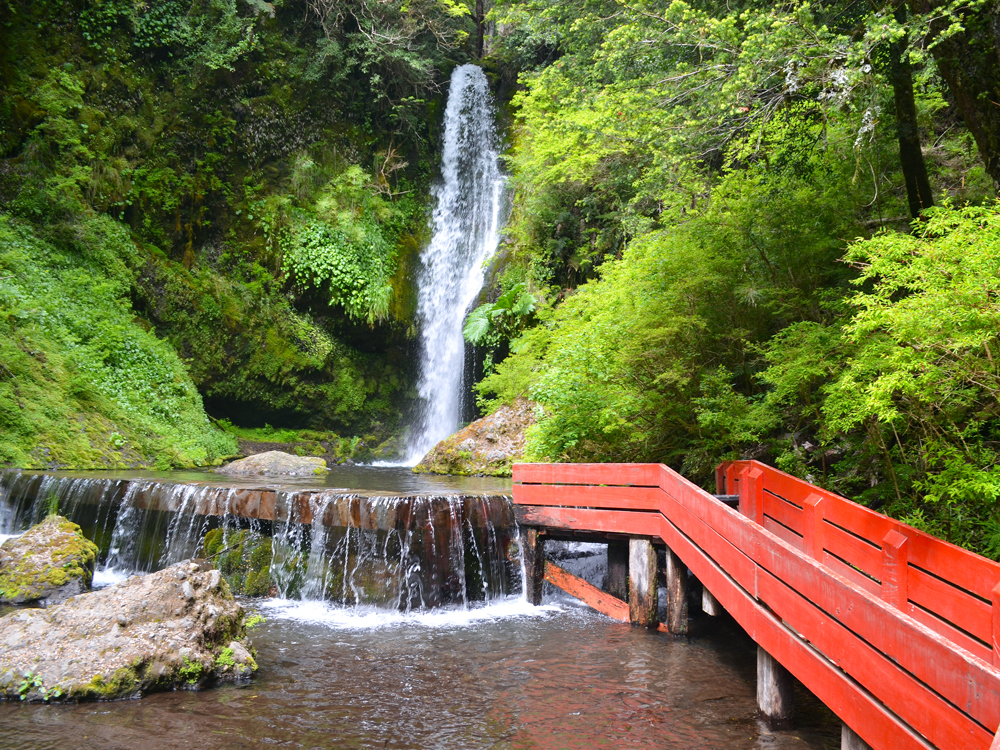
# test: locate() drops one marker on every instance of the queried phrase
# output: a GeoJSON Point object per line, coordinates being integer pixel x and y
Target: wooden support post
{"type": "Point", "coordinates": [894, 573]}
{"type": "Point", "coordinates": [774, 688]}
{"type": "Point", "coordinates": [533, 550]}
{"type": "Point", "coordinates": [709, 604]}
{"type": "Point", "coordinates": [642, 600]}
{"type": "Point", "coordinates": [849, 740]}
{"type": "Point", "coordinates": [812, 526]}
{"type": "Point", "coordinates": [618, 569]}
{"type": "Point", "coordinates": [676, 574]}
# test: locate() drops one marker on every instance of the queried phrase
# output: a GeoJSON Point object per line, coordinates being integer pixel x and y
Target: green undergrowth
{"type": "Point", "coordinates": [82, 385]}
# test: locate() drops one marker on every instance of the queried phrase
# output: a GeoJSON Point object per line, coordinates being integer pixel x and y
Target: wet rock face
{"type": "Point", "coordinates": [179, 628]}
{"type": "Point", "coordinates": [277, 463]}
{"type": "Point", "coordinates": [49, 563]}
{"type": "Point", "coordinates": [487, 447]}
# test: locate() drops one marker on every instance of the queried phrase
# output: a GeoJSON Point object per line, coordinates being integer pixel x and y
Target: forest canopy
{"type": "Point", "coordinates": [762, 230]}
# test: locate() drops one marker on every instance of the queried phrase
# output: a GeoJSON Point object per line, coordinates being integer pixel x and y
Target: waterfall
{"type": "Point", "coordinates": [356, 549]}
{"type": "Point", "coordinates": [466, 223]}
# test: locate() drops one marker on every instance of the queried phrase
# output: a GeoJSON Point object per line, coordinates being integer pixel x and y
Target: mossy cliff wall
{"type": "Point", "coordinates": [247, 182]}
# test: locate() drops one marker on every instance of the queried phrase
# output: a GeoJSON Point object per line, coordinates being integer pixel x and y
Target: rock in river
{"type": "Point", "coordinates": [275, 462]}
{"type": "Point", "coordinates": [488, 446]}
{"type": "Point", "coordinates": [179, 628]}
{"type": "Point", "coordinates": [48, 563]}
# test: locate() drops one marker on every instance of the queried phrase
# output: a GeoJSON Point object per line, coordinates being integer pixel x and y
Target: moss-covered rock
{"type": "Point", "coordinates": [179, 628]}
{"type": "Point", "coordinates": [487, 447]}
{"type": "Point", "coordinates": [49, 563]}
{"type": "Point", "coordinates": [244, 559]}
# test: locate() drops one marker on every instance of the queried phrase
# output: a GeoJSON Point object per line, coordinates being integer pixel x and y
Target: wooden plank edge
{"type": "Point", "coordinates": [586, 592]}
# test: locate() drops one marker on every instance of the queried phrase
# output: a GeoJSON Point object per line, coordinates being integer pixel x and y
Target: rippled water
{"type": "Point", "coordinates": [559, 676]}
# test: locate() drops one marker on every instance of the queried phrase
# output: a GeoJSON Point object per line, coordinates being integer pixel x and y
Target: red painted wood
{"type": "Point", "coordinates": [755, 494]}
{"type": "Point", "coordinates": [852, 550]}
{"type": "Point", "coordinates": [924, 710]}
{"type": "Point", "coordinates": [995, 605]}
{"type": "Point", "coordinates": [720, 479]}
{"type": "Point", "coordinates": [894, 570]}
{"type": "Point", "coordinates": [959, 638]}
{"type": "Point", "coordinates": [783, 512]}
{"type": "Point", "coordinates": [881, 729]}
{"type": "Point", "coordinates": [962, 567]}
{"type": "Point", "coordinates": [960, 678]}
{"type": "Point", "coordinates": [764, 568]}
{"type": "Point", "coordinates": [644, 475]}
{"type": "Point", "coordinates": [787, 536]}
{"type": "Point", "coordinates": [622, 498]}
{"type": "Point", "coordinates": [951, 604]}
{"type": "Point", "coordinates": [590, 595]}
{"type": "Point", "coordinates": [813, 526]}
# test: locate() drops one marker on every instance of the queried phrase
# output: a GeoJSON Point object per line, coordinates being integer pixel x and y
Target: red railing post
{"type": "Point", "coordinates": [894, 578]}
{"type": "Point", "coordinates": [720, 479]}
{"type": "Point", "coordinates": [752, 494]}
{"type": "Point", "coordinates": [812, 526]}
{"type": "Point", "coordinates": [995, 599]}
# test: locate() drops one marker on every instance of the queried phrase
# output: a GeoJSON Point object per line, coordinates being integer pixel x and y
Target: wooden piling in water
{"type": "Point", "coordinates": [774, 688]}
{"type": "Point", "coordinates": [617, 584]}
{"type": "Point", "coordinates": [533, 549]}
{"type": "Point", "coordinates": [677, 594]}
{"type": "Point", "coordinates": [642, 594]}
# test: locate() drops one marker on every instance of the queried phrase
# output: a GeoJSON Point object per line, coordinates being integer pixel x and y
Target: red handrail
{"type": "Point", "coordinates": [890, 627]}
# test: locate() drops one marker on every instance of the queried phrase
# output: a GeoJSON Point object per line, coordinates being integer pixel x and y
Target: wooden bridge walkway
{"type": "Point", "coordinates": [898, 632]}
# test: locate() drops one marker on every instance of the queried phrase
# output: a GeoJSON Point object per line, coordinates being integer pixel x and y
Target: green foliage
{"type": "Point", "coordinates": [83, 386]}
{"type": "Point", "coordinates": [244, 559]}
{"type": "Point", "coordinates": [190, 671]}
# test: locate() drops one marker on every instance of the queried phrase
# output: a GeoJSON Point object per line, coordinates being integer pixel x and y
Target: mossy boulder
{"type": "Point", "coordinates": [47, 564]}
{"type": "Point", "coordinates": [487, 447]}
{"type": "Point", "coordinates": [179, 628]}
{"type": "Point", "coordinates": [275, 463]}
{"type": "Point", "coordinates": [244, 558]}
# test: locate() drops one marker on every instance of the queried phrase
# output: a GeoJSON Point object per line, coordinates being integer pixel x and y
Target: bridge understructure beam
{"type": "Point", "coordinates": [894, 632]}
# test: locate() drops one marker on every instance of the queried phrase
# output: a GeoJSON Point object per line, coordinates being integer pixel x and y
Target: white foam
{"type": "Point", "coordinates": [371, 618]}
{"type": "Point", "coordinates": [108, 577]}
{"type": "Point", "coordinates": [5, 537]}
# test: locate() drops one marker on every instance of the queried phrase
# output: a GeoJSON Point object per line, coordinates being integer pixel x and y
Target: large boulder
{"type": "Point", "coordinates": [179, 628]}
{"type": "Point", "coordinates": [487, 447]}
{"type": "Point", "coordinates": [47, 564]}
{"type": "Point", "coordinates": [275, 462]}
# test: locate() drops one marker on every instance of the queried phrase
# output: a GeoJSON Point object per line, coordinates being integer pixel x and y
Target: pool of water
{"type": "Point", "coordinates": [385, 480]}
{"type": "Point", "coordinates": [513, 676]}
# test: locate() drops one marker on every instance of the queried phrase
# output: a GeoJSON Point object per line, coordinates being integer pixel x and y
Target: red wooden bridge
{"type": "Point", "coordinates": [898, 632]}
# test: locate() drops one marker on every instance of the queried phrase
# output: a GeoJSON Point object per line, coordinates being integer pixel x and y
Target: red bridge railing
{"type": "Point", "coordinates": [898, 632]}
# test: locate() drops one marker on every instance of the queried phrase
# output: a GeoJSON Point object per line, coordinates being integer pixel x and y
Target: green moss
{"type": "Point", "coordinates": [244, 559]}
{"type": "Point", "coordinates": [191, 671]}
{"type": "Point", "coordinates": [54, 553]}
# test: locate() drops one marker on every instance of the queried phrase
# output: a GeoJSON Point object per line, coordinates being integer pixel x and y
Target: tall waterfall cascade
{"type": "Point", "coordinates": [466, 224]}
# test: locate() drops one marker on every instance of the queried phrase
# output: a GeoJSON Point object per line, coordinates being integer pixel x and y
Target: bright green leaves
{"type": "Point", "coordinates": [355, 268]}
{"type": "Point", "coordinates": [927, 330]}
{"type": "Point", "coordinates": [503, 315]}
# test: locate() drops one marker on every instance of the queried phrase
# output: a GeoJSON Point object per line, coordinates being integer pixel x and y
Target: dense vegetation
{"type": "Point", "coordinates": [726, 217]}
{"type": "Point", "coordinates": [739, 229]}
{"type": "Point", "coordinates": [211, 201]}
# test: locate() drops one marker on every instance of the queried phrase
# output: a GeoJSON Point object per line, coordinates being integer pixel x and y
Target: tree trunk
{"type": "Point", "coordinates": [911, 157]}
{"type": "Point", "coordinates": [480, 26]}
{"type": "Point", "coordinates": [970, 63]}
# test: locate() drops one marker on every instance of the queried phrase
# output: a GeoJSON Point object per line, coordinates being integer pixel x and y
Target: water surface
{"type": "Point", "coordinates": [559, 676]}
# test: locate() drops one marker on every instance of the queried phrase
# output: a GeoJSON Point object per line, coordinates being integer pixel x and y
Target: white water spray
{"type": "Point", "coordinates": [466, 224]}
